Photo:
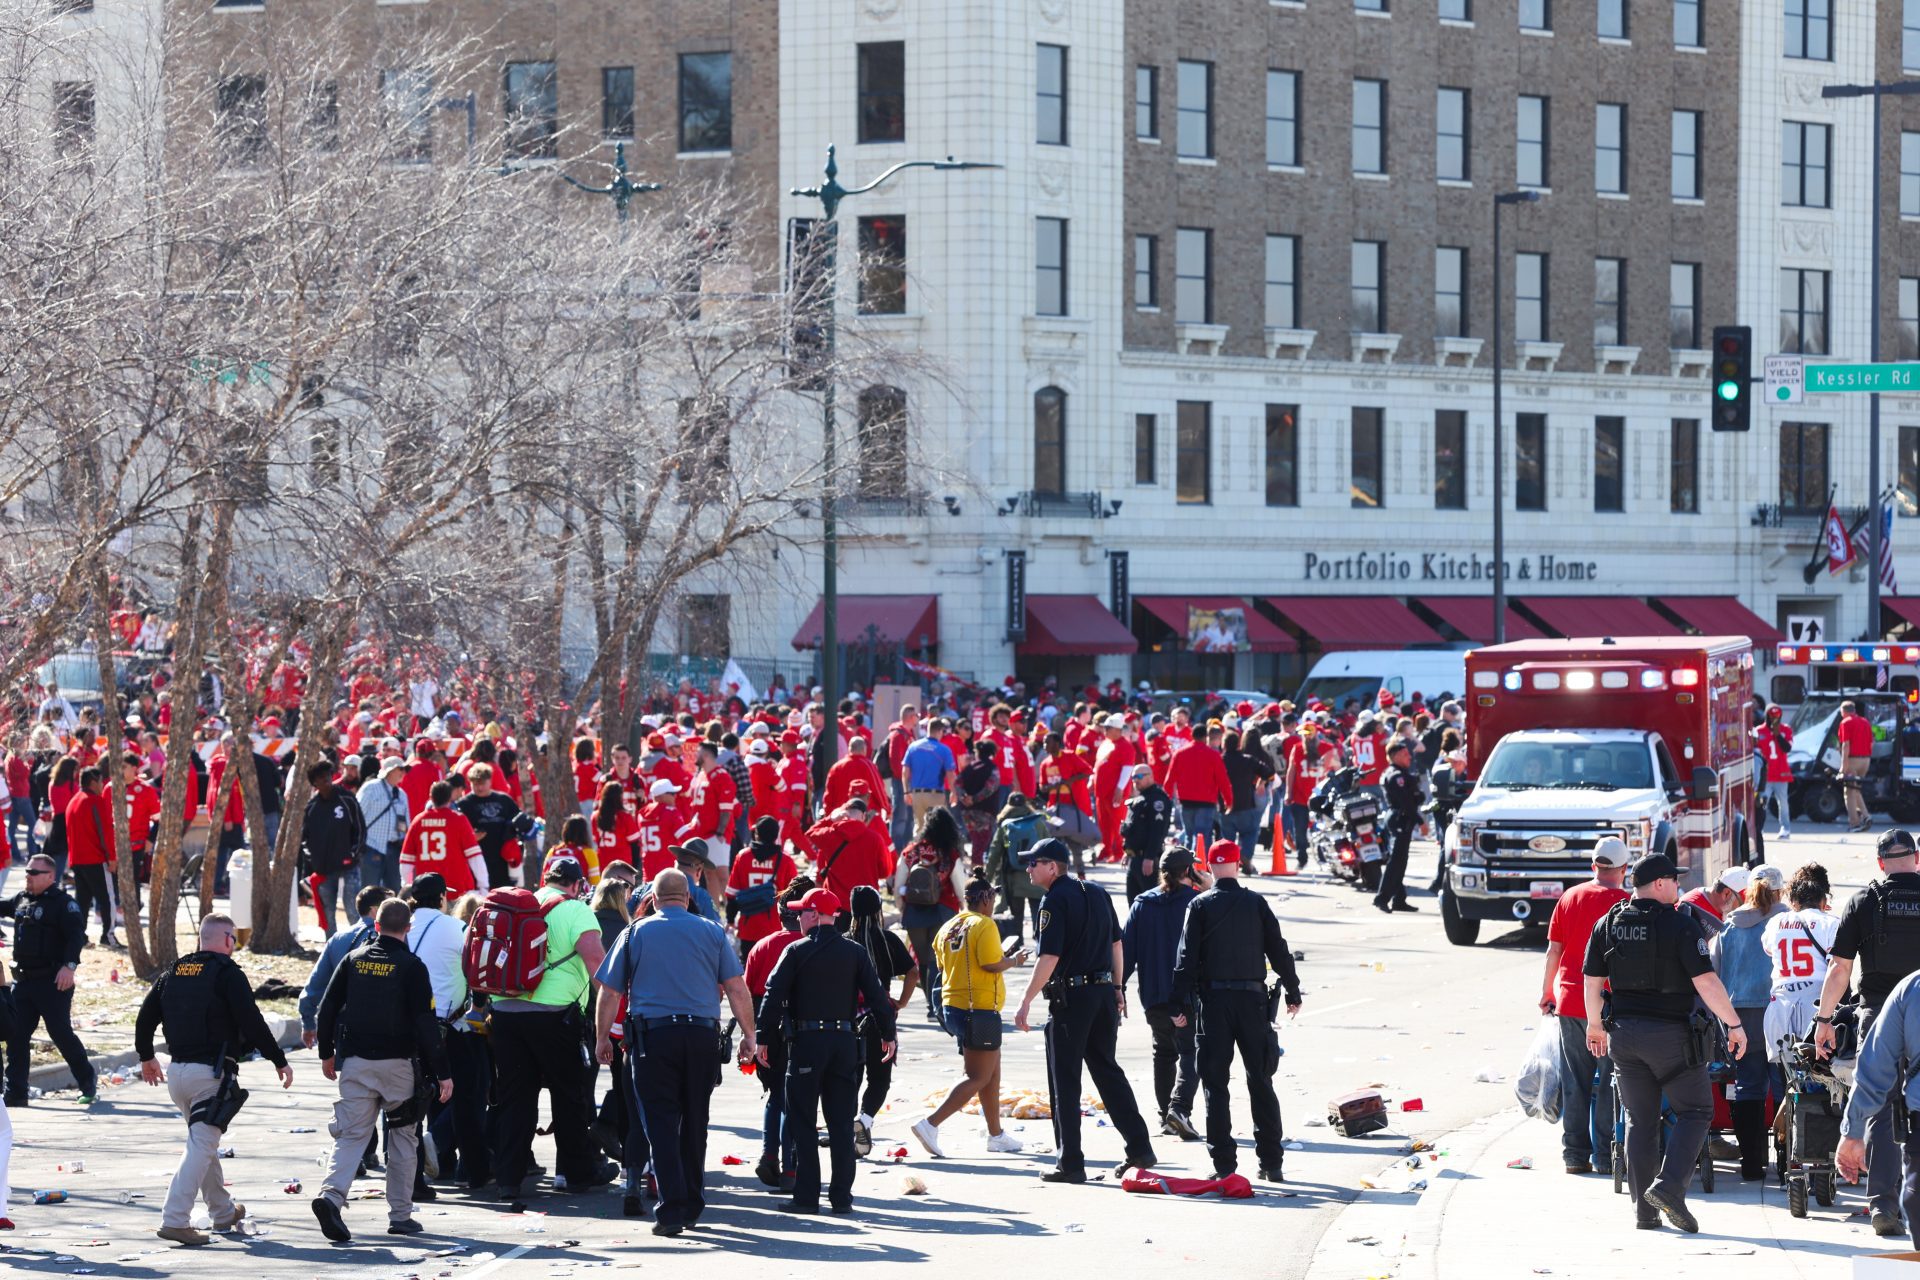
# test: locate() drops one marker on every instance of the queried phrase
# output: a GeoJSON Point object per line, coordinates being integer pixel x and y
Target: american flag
{"type": "Point", "coordinates": [1889, 580]}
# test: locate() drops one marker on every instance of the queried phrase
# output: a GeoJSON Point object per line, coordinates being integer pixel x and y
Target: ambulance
{"type": "Point", "coordinates": [1809, 683]}
{"type": "Point", "coordinates": [1568, 741]}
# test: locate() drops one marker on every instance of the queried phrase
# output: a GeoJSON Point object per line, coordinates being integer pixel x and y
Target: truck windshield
{"type": "Point", "coordinates": [1599, 766]}
{"type": "Point", "coordinates": [1337, 691]}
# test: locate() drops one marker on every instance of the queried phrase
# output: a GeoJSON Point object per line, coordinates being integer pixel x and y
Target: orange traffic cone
{"type": "Point", "coordinates": [1200, 852]}
{"type": "Point", "coordinates": [1281, 867]}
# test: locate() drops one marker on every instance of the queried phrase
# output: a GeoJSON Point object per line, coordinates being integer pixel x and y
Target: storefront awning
{"type": "Point", "coordinates": [1721, 616]}
{"type": "Point", "coordinates": [1262, 635]}
{"type": "Point", "coordinates": [1905, 608]}
{"type": "Point", "coordinates": [1472, 617]}
{"type": "Point", "coordinates": [1355, 622]}
{"type": "Point", "coordinates": [907, 621]}
{"type": "Point", "coordinates": [1064, 626]}
{"type": "Point", "coordinates": [1598, 616]}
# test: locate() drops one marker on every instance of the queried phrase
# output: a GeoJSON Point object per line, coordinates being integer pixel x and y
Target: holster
{"type": "Point", "coordinates": [1274, 996]}
{"type": "Point", "coordinates": [1701, 1041]}
{"type": "Point", "coordinates": [414, 1109]}
{"type": "Point", "coordinates": [220, 1109]}
{"type": "Point", "coordinates": [636, 1039]}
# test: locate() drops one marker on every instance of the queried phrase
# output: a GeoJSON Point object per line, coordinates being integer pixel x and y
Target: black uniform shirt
{"type": "Point", "coordinates": [48, 932]}
{"type": "Point", "coordinates": [379, 1005]}
{"type": "Point", "coordinates": [206, 1006]}
{"type": "Point", "coordinates": [1858, 922]}
{"type": "Point", "coordinates": [1680, 956]}
{"type": "Point", "coordinates": [495, 819]}
{"type": "Point", "coordinates": [818, 978]}
{"type": "Point", "coordinates": [1078, 924]}
{"type": "Point", "coordinates": [1231, 935]}
{"type": "Point", "coordinates": [1402, 789]}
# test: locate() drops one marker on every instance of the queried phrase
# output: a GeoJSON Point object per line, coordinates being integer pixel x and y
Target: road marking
{"type": "Point", "coordinates": [1335, 1008]}
{"type": "Point", "coordinates": [499, 1262]}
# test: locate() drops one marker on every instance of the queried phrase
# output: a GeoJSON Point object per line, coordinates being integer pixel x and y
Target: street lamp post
{"type": "Point", "coordinates": [1874, 549]}
{"type": "Point", "coordinates": [621, 187]}
{"type": "Point", "coordinates": [1499, 451]}
{"type": "Point", "coordinates": [830, 193]}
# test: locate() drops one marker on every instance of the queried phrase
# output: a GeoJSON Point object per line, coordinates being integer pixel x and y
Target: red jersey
{"type": "Point", "coordinates": [769, 789]}
{"type": "Point", "coordinates": [1774, 741]}
{"type": "Point", "coordinates": [1198, 775]}
{"type": "Point", "coordinates": [1111, 772]}
{"type": "Point", "coordinates": [1010, 757]}
{"type": "Point", "coordinates": [1159, 756]}
{"type": "Point", "coordinates": [615, 845]}
{"type": "Point", "coordinates": [849, 853]}
{"type": "Point", "coordinates": [712, 800]}
{"type": "Point", "coordinates": [749, 870]}
{"type": "Point", "coordinates": [633, 788]}
{"type": "Point", "coordinates": [765, 954]}
{"type": "Point", "coordinates": [1574, 916]}
{"type": "Point", "coordinates": [143, 810]}
{"type": "Point", "coordinates": [586, 780]}
{"type": "Point", "coordinates": [1063, 780]}
{"type": "Point", "coordinates": [89, 830]}
{"type": "Point", "coordinates": [441, 841]}
{"type": "Point", "coordinates": [1369, 756]}
{"type": "Point", "coordinates": [660, 826]}
{"type": "Point", "coordinates": [418, 782]}
{"type": "Point", "coordinates": [668, 769]}
{"type": "Point", "coordinates": [1856, 736]}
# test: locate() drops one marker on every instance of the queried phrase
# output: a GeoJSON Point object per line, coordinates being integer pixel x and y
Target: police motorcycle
{"type": "Point", "coordinates": [1344, 828]}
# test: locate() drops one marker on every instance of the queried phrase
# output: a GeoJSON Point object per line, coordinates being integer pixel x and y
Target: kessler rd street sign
{"type": "Point", "coordinates": [1888, 378]}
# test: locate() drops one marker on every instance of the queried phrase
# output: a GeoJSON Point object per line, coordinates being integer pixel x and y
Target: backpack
{"type": "Point", "coordinates": [883, 759]}
{"type": "Point", "coordinates": [506, 949]}
{"type": "Point", "coordinates": [1022, 834]}
{"type": "Point", "coordinates": [923, 885]}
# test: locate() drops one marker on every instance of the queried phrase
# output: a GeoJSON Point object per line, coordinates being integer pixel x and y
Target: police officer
{"type": "Point", "coordinates": [1401, 784]}
{"type": "Point", "coordinates": [1656, 961]}
{"type": "Point", "coordinates": [811, 1005]}
{"type": "Point", "coordinates": [1229, 939]}
{"type": "Point", "coordinates": [206, 1007]}
{"type": "Point", "coordinates": [377, 1018]}
{"type": "Point", "coordinates": [1143, 832]}
{"type": "Point", "coordinates": [48, 933]}
{"type": "Point", "coordinates": [1880, 929]}
{"type": "Point", "coordinates": [1083, 971]}
{"type": "Point", "coordinates": [1880, 1081]}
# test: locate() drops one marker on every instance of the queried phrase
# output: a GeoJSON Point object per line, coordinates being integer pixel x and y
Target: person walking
{"type": "Point", "coordinates": [1198, 782]}
{"type": "Point", "coordinates": [1150, 941]}
{"type": "Point", "coordinates": [378, 1038]}
{"type": "Point", "coordinates": [1855, 737]}
{"type": "Point", "coordinates": [1080, 970]}
{"type": "Point", "coordinates": [1143, 832]}
{"type": "Point", "coordinates": [1251, 776]}
{"type": "Point", "coordinates": [1021, 827]}
{"type": "Point", "coordinates": [972, 993]}
{"type": "Point", "coordinates": [928, 881]}
{"type": "Point", "coordinates": [1586, 1084]}
{"type": "Point", "coordinates": [1882, 1080]}
{"type": "Point", "coordinates": [456, 1128]}
{"type": "Point", "coordinates": [891, 960]}
{"type": "Point", "coordinates": [1229, 939]}
{"type": "Point", "coordinates": [1773, 742]}
{"type": "Point", "coordinates": [342, 941]}
{"type": "Point", "coordinates": [930, 772]}
{"type": "Point", "coordinates": [778, 1159]}
{"type": "Point", "coordinates": [1745, 964]}
{"type": "Point", "coordinates": [332, 840]}
{"type": "Point", "coordinates": [49, 932]}
{"type": "Point", "coordinates": [384, 806]}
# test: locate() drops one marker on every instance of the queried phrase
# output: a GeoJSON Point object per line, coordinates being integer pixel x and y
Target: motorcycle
{"type": "Point", "coordinates": [1344, 829]}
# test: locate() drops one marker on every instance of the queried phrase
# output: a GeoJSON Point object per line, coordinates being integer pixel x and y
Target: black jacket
{"type": "Point", "coordinates": [333, 832]}
{"type": "Point", "coordinates": [206, 1006]}
{"type": "Point", "coordinates": [379, 1004]}
{"type": "Point", "coordinates": [48, 932]}
{"type": "Point", "coordinates": [1404, 797]}
{"type": "Point", "coordinates": [1231, 936]}
{"type": "Point", "coordinates": [818, 979]}
{"type": "Point", "coordinates": [1149, 817]}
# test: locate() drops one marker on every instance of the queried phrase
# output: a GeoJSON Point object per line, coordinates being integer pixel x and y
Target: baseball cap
{"type": "Point", "coordinates": [758, 747]}
{"type": "Point", "coordinates": [1736, 878]}
{"type": "Point", "coordinates": [1114, 720]}
{"type": "Point", "coordinates": [1610, 851]}
{"type": "Point", "coordinates": [825, 901]}
{"type": "Point", "coordinates": [1897, 843]}
{"type": "Point", "coordinates": [1051, 848]}
{"type": "Point", "coordinates": [1655, 866]}
{"type": "Point", "coordinates": [1771, 876]}
{"type": "Point", "coordinates": [389, 763]}
{"type": "Point", "coordinates": [565, 871]}
{"type": "Point", "coordinates": [1223, 853]}
{"type": "Point", "coordinates": [664, 787]}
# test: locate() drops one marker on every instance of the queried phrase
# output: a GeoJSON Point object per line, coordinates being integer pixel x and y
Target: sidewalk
{"type": "Point", "coordinates": [1477, 1218]}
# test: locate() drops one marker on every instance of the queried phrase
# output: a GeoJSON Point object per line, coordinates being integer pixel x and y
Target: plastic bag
{"type": "Point", "coordinates": [1538, 1085]}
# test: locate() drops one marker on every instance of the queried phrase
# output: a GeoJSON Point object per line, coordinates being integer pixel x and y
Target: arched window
{"type": "Point", "coordinates": [1049, 440]}
{"type": "Point", "coordinates": [883, 442]}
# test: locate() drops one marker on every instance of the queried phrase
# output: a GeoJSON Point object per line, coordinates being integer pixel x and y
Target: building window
{"type": "Point", "coordinates": [1686, 155]}
{"type": "Point", "coordinates": [616, 102]}
{"type": "Point", "coordinates": [1803, 159]}
{"type": "Point", "coordinates": [1050, 266]}
{"type": "Point", "coordinates": [1907, 496]}
{"type": "Point", "coordinates": [1193, 109]}
{"type": "Point", "coordinates": [1612, 22]}
{"type": "Point", "coordinates": [883, 91]}
{"type": "Point", "coordinates": [1371, 6]}
{"type": "Point", "coordinates": [1686, 24]}
{"type": "Point", "coordinates": [1450, 291]}
{"type": "Point", "coordinates": [1906, 335]}
{"type": "Point", "coordinates": [1810, 29]}
{"type": "Point", "coordinates": [531, 105]}
{"type": "Point", "coordinates": [1530, 142]}
{"type": "Point", "coordinates": [1283, 282]}
{"type": "Point", "coordinates": [240, 107]}
{"type": "Point", "coordinates": [883, 265]}
{"type": "Point", "coordinates": [1283, 117]}
{"type": "Point", "coordinates": [1803, 311]}
{"type": "Point", "coordinates": [1529, 298]}
{"type": "Point", "coordinates": [882, 426]}
{"type": "Point", "coordinates": [1193, 453]}
{"type": "Point", "coordinates": [1146, 445]}
{"type": "Point", "coordinates": [1193, 275]}
{"type": "Point", "coordinates": [1536, 15]}
{"type": "Point", "coordinates": [1909, 173]}
{"type": "Point", "coordinates": [1609, 464]}
{"type": "Point", "coordinates": [1910, 35]}
{"type": "Point", "coordinates": [1369, 126]}
{"type": "Point", "coordinates": [1146, 272]}
{"type": "Point", "coordinates": [1049, 440]}
{"type": "Point", "coordinates": [1450, 460]}
{"type": "Point", "coordinates": [406, 106]}
{"type": "Point", "coordinates": [1457, 10]}
{"type": "Point", "coordinates": [1609, 301]}
{"type": "Point", "coordinates": [1368, 307]}
{"type": "Point", "coordinates": [1283, 455]}
{"type": "Point", "coordinates": [1683, 306]}
{"type": "Point", "coordinates": [1050, 94]}
{"type": "Point", "coordinates": [1803, 467]}
{"type": "Point", "coordinates": [706, 102]}
{"type": "Point", "coordinates": [1529, 462]}
{"type": "Point", "coordinates": [1610, 148]}
{"type": "Point", "coordinates": [73, 119]}
{"type": "Point", "coordinates": [1146, 102]}
{"type": "Point", "coordinates": [704, 440]}
{"type": "Point", "coordinates": [1683, 467]}
{"type": "Point", "coordinates": [1365, 489]}
{"type": "Point", "coordinates": [321, 132]}
{"type": "Point", "coordinates": [1452, 155]}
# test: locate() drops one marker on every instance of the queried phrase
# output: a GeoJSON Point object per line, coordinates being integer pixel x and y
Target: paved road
{"type": "Point", "coordinates": [1389, 1003]}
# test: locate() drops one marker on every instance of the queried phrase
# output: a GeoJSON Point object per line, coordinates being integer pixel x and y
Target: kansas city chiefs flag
{"type": "Point", "coordinates": [1839, 545]}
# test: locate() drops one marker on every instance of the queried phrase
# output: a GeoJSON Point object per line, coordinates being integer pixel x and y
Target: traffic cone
{"type": "Point", "coordinates": [1281, 867]}
{"type": "Point", "coordinates": [1200, 852]}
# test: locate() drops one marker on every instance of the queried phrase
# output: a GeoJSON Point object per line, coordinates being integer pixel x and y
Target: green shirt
{"type": "Point", "coordinates": [566, 979]}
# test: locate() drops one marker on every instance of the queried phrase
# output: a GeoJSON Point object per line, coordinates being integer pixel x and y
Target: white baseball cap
{"type": "Point", "coordinates": [758, 747]}
{"type": "Point", "coordinates": [1736, 878]}
{"type": "Point", "coordinates": [1114, 721]}
{"type": "Point", "coordinates": [1610, 851]}
{"type": "Point", "coordinates": [664, 787]}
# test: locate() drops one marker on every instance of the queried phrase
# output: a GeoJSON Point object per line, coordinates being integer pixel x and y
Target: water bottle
{"type": "Point", "coordinates": [49, 1197]}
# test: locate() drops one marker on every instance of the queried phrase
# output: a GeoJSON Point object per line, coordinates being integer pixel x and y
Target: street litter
{"type": "Point", "coordinates": [912, 1186]}
{"type": "Point", "coordinates": [49, 1197]}
{"type": "Point", "coordinates": [1523, 1162]}
{"type": "Point", "coordinates": [1413, 1104]}
{"type": "Point", "coordinates": [293, 1187]}
{"type": "Point", "coordinates": [303, 1129]}
{"type": "Point", "coordinates": [1074, 1228]}
{"type": "Point", "coordinates": [731, 1160]}
{"type": "Point", "coordinates": [224, 1153]}
{"type": "Point", "coordinates": [1487, 1075]}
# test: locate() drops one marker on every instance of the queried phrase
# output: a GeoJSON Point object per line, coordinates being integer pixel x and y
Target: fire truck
{"type": "Point", "coordinates": [1645, 738]}
{"type": "Point", "coordinates": [1809, 683]}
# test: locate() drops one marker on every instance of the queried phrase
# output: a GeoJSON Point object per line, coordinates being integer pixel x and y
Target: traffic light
{"type": "Point", "coordinates": [1732, 378]}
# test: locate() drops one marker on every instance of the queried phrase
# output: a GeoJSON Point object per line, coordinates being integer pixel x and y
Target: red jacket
{"type": "Point", "coordinates": [844, 774]}
{"type": "Point", "coordinates": [848, 852]}
{"type": "Point", "coordinates": [89, 830]}
{"type": "Point", "coordinates": [1197, 775]}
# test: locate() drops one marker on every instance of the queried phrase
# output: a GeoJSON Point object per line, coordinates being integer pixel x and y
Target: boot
{"type": "Point", "coordinates": [1750, 1131]}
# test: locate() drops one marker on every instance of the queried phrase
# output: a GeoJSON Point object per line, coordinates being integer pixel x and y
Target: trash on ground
{"type": "Point", "coordinates": [1520, 1162]}
{"type": "Point", "coordinates": [1413, 1104]}
{"type": "Point", "coordinates": [912, 1186]}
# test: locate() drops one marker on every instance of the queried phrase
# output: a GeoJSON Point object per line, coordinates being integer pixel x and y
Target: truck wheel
{"type": "Point", "coordinates": [1822, 803]}
{"type": "Point", "coordinates": [1461, 932]}
{"type": "Point", "coordinates": [1904, 807]}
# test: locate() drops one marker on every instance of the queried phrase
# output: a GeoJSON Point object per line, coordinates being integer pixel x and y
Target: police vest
{"type": "Point", "coordinates": [1633, 952]}
{"type": "Point", "coordinates": [198, 1023]}
{"type": "Point", "coordinates": [40, 931]}
{"type": "Point", "coordinates": [1893, 942]}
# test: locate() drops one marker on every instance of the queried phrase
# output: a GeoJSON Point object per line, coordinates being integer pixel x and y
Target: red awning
{"type": "Point", "coordinates": [1355, 622]}
{"type": "Point", "coordinates": [1721, 616]}
{"type": "Point", "coordinates": [1599, 616]}
{"type": "Point", "coordinates": [910, 621]}
{"type": "Point", "coordinates": [1263, 635]}
{"type": "Point", "coordinates": [1062, 626]}
{"type": "Point", "coordinates": [1906, 608]}
{"type": "Point", "coordinates": [1472, 617]}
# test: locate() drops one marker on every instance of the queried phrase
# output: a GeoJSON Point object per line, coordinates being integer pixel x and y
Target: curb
{"type": "Point", "coordinates": [56, 1075]}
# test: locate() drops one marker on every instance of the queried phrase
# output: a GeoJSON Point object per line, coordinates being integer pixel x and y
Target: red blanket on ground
{"type": "Point", "coordinates": [1231, 1187]}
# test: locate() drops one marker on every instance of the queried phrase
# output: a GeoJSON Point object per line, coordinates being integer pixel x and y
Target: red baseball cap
{"type": "Point", "coordinates": [825, 901]}
{"type": "Point", "coordinates": [1222, 853]}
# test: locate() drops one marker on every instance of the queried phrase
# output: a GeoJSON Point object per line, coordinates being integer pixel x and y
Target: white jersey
{"type": "Point", "coordinates": [1798, 944]}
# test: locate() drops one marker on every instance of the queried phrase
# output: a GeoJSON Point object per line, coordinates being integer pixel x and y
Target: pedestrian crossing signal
{"type": "Point", "coordinates": [1732, 378]}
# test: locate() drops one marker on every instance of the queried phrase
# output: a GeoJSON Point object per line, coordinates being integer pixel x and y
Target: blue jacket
{"type": "Point", "coordinates": [343, 941]}
{"type": "Point", "coordinates": [1150, 938]}
{"type": "Point", "coordinates": [1744, 967]}
{"type": "Point", "coordinates": [1893, 1038]}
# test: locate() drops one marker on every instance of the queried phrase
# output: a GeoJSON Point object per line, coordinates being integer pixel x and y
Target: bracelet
{"type": "Point", "coordinates": [1817, 1018]}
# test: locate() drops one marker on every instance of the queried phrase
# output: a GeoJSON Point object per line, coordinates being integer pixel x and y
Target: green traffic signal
{"type": "Point", "coordinates": [1729, 390]}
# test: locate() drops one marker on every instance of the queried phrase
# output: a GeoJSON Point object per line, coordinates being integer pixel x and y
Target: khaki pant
{"type": "Point", "coordinates": [1854, 767]}
{"type": "Point", "coordinates": [924, 803]}
{"type": "Point", "coordinates": [199, 1175]}
{"type": "Point", "coordinates": [368, 1087]}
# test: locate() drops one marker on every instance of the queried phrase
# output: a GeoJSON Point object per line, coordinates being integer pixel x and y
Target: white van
{"type": "Point", "coordinates": [1363, 673]}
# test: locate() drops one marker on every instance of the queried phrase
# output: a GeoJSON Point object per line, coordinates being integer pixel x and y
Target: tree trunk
{"type": "Point", "coordinates": [275, 884]}
{"type": "Point", "coordinates": [239, 710]}
{"type": "Point", "coordinates": [555, 767]}
{"type": "Point", "coordinates": [128, 881]}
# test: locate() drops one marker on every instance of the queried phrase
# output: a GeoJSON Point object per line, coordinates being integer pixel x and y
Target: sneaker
{"type": "Point", "coordinates": [87, 1099]}
{"type": "Point", "coordinates": [1271, 1173]}
{"type": "Point", "coordinates": [1064, 1175]}
{"type": "Point", "coordinates": [1887, 1224]}
{"type": "Point", "coordinates": [1673, 1208]}
{"type": "Point", "coordinates": [862, 1136]}
{"type": "Point", "coordinates": [232, 1223]}
{"type": "Point", "coordinates": [1004, 1143]}
{"type": "Point", "coordinates": [668, 1228]}
{"type": "Point", "coordinates": [180, 1235]}
{"type": "Point", "coordinates": [929, 1137]}
{"type": "Point", "coordinates": [768, 1170]}
{"type": "Point", "coordinates": [1182, 1124]}
{"type": "Point", "coordinates": [425, 1194]}
{"type": "Point", "coordinates": [633, 1206]}
{"type": "Point", "coordinates": [332, 1226]}
{"type": "Point", "coordinates": [1719, 1148]}
{"type": "Point", "coordinates": [404, 1227]}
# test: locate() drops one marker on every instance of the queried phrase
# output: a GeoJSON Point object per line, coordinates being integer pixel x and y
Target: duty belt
{"type": "Point", "coordinates": [678, 1020]}
{"type": "Point", "coordinates": [1088, 979]}
{"type": "Point", "coordinates": [842, 1025]}
{"type": "Point", "coordinates": [1234, 986]}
